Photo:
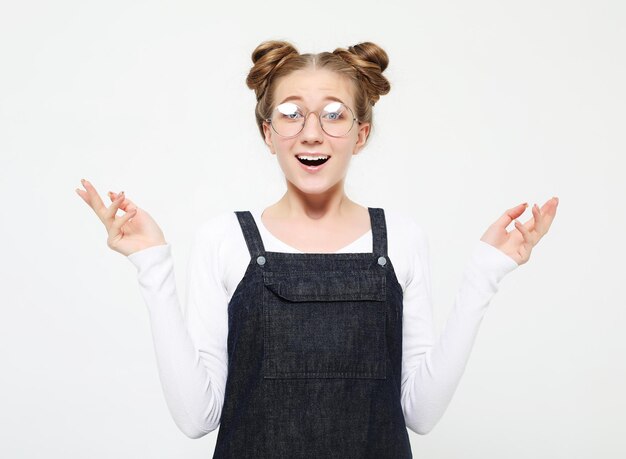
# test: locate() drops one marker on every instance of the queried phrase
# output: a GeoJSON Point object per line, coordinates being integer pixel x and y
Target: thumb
{"type": "Point", "coordinates": [116, 227]}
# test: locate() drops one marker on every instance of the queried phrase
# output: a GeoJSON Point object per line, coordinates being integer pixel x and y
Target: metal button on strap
{"type": "Point", "coordinates": [260, 260]}
{"type": "Point", "coordinates": [382, 261]}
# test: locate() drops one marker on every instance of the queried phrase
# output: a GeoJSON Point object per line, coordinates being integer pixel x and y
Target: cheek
{"type": "Point", "coordinates": [283, 146]}
{"type": "Point", "coordinates": [284, 152]}
{"type": "Point", "coordinates": [346, 145]}
{"type": "Point", "coordinates": [277, 145]}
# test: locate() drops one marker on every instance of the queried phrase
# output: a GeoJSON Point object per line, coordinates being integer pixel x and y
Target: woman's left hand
{"type": "Point", "coordinates": [519, 242]}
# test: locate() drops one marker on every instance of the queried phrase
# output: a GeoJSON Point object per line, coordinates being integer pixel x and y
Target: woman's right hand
{"type": "Point", "coordinates": [135, 230]}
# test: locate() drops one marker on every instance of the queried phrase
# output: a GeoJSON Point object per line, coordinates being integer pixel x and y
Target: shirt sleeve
{"type": "Point", "coordinates": [190, 342]}
{"type": "Point", "coordinates": [432, 368]}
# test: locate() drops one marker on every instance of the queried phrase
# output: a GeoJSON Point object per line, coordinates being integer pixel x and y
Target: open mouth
{"type": "Point", "coordinates": [313, 160]}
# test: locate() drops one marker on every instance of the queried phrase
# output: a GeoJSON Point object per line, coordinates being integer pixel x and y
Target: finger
{"type": "Point", "coordinates": [553, 201]}
{"type": "Point", "coordinates": [538, 221]}
{"type": "Point", "coordinates": [93, 199]}
{"type": "Point", "coordinates": [528, 239]}
{"type": "Point", "coordinates": [510, 214]}
{"type": "Point", "coordinates": [531, 223]}
{"type": "Point", "coordinates": [83, 195]}
{"type": "Point", "coordinates": [116, 226]}
{"type": "Point", "coordinates": [539, 225]}
{"type": "Point", "coordinates": [542, 219]}
{"type": "Point", "coordinates": [111, 212]}
{"type": "Point", "coordinates": [549, 211]}
{"type": "Point", "coordinates": [126, 205]}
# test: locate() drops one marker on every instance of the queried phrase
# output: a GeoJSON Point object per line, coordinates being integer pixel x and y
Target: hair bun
{"type": "Point", "coordinates": [267, 57]}
{"type": "Point", "coordinates": [371, 52]}
{"type": "Point", "coordinates": [370, 60]}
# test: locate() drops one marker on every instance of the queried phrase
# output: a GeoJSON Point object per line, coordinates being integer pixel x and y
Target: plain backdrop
{"type": "Point", "coordinates": [493, 103]}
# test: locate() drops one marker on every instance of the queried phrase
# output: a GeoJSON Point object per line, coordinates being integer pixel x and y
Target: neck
{"type": "Point", "coordinates": [331, 203]}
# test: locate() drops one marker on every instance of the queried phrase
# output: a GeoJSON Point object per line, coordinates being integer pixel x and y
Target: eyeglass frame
{"type": "Point", "coordinates": [319, 118]}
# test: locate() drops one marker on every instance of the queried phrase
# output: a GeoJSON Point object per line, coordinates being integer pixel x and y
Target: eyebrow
{"type": "Point", "coordinates": [336, 99]}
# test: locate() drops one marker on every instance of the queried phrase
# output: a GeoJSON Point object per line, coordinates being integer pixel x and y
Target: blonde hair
{"type": "Point", "coordinates": [363, 64]}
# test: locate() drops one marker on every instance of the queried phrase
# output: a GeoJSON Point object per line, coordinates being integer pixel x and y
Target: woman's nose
{"type": "Point", "coordinates": [312, 128]}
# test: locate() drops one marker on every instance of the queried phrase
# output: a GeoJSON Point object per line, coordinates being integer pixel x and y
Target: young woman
{"type": "Point", "coordinates": [307, 329]}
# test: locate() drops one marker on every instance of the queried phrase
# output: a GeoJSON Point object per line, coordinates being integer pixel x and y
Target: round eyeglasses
{"type": "Point", "coordinates": [288, 119]}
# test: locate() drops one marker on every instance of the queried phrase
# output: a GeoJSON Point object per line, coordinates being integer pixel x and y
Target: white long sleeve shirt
{"type": "Point", "coordinates": [191, 341]}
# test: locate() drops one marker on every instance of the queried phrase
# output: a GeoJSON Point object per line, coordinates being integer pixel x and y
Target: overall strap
{"type": "Point", "coordinates": [250, 232]}
{"type": "Point", "coordinates": [379, 230]}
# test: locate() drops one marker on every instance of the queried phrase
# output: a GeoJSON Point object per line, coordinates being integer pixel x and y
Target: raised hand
{"type": "Point", "coordinates": [519, 242]}
{"type": "Point", "coordinates": [129, 233]}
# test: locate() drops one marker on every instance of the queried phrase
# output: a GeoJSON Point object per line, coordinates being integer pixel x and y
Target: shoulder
{"type": "Point", "coordinates": [407, 245]}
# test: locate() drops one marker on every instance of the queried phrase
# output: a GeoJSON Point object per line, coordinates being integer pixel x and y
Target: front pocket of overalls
{"type": "Point", "coordinates": [324, 325]}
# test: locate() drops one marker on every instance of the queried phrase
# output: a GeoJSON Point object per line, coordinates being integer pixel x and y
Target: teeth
{"type": "Point", "coordinates": [312, 158]}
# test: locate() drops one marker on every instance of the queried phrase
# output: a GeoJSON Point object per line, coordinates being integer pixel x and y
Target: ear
{"type": "Point", "coordinates": [362, 135]}
{"type": "Point", "coordinates": [267, 131]}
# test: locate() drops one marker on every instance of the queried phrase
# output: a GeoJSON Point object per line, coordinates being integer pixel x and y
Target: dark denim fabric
{"type": "Point", "coordinates": [314, 355]}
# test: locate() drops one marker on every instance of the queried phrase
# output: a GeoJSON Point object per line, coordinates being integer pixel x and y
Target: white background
{"type": "Point", "coordinates": [493, 103]}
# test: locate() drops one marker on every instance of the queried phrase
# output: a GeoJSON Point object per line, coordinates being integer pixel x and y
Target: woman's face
{"type": "Point", "coordinates": [312, 90]}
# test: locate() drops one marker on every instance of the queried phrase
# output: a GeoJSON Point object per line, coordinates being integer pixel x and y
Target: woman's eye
{"type": "Point", "coordinates": [332, 116]}
{"type": "Point", "coordinates": [289, 111]}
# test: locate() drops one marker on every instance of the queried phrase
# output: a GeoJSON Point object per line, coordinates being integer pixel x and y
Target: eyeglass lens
{"type": "Point", "coordinates": [336, 119]}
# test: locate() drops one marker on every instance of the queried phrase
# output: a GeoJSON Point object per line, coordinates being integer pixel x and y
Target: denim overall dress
{"type": "Point", "coordinates": [314, 355]}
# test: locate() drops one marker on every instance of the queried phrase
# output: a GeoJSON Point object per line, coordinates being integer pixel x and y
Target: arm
{"type": "Point", "coordinates": [433, 368]}
{"type": "Point", "coordinates": [190, 345]}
